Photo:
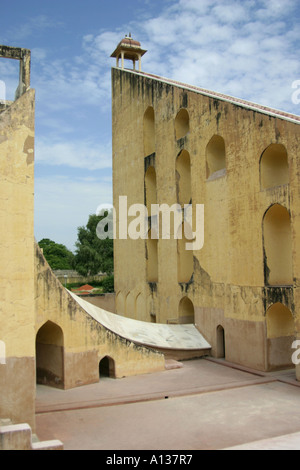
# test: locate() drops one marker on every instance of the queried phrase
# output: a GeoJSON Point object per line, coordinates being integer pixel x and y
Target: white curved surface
{"type": "Point", "coordinates": [180, 337]}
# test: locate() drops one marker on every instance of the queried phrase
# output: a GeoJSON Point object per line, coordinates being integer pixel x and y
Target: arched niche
{"type": "Point", "coordinates": [149, 131]}
{"type": "Point", "coordinates": [182, 124]}
{"type": "Point", "coordinates": [130, 305]}
{"type": "Point", "coordinates": [150, 188]}
{"type": "Point", "coordinates": [220, 343]}
{"type": "Point", "coordinates": [152, 256]}
{"type": "Point", "coordinates": [274, 168]}
{"type": "Point", "coordinates": [185, 260]}
{"type": "Point", "coordinates": [186, 312]}
{"type": "Point", "coordinates": [280, 327]}
{"type": "Point", "coordinates": [140, 308]}
{"type": "Point", "coordinates": [277, 239]}
{"type": "Point", "coordinates": [50, 355]}
{"type": "Point", "coordinates": [280, 321]}
{"type": "Point", "coordinates": [183, 178]}
{"type": "Point", "coordinates": [120, 303]}
{"type": "Point", "coordinates": [215, 157]}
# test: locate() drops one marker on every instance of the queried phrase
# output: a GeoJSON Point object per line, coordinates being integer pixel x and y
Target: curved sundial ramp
{"type": "Point", "coordinates": [181, 340]}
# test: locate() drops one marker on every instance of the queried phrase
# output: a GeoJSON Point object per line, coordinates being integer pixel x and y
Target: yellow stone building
{"type": "Point", "coordinates": [178, 144]}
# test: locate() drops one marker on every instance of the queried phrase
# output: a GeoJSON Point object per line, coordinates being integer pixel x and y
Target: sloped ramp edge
{"type": "Point", "coordinates": [154, 335]}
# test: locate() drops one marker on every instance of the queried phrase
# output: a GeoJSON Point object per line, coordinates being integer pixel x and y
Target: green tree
{"type": "Point", "coordinates": [57, 255]}
{"type": "Point", "coordinates": [93, 255]}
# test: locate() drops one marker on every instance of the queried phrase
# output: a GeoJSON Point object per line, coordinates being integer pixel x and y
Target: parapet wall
{"type": "Point", "coordinates": [71, 344]}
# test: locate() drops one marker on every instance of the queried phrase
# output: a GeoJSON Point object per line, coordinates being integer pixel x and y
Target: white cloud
{"type": "Point", "coordinates": [227, 46]}
{"type": "Point", "coordinates": [229, 13]}
{"type": "Point", "coordinates": [39, 53]}
{"type": "Point", "coordinates": [76, 154]}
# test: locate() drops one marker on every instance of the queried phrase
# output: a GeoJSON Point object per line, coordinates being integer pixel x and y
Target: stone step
{"type": "Point", "coordinates": [5, 422]}
{"type": "Point", "coordinates": [172, 364]}
{"type": "Point", "coordinates": [15, 437]}
{"type": "Point", "coordinates": [20, 437]}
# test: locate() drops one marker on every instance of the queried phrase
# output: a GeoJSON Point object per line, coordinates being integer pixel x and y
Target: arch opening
{"type": "Point", "coordinates": [280, 327]}
{"type": "Point", "coordinates": [50, 355]}
{"type": "Point", "coordinates": [149, 131]}
{"type": "Point", "coordinates": [183, 178]}
{"type": "Point", "coordinates": [186, 312]}
{"type": "Point", "coordinates": [220, 345]}
{"type": "Point", "coordinates": [185, 258]}
{"type": "Point", "coordinates": [215, 157]}
{"type": "Point", "coordinates": [107, 368]}
{"type": "Point", "coordinates": [150, 188]}
{"type": "Point", "coordinates": [182, 124]}
{"type": "Point", "coordinates": [277, 239]}
{"type": "Point", "coordinates": [274, 168]}
{"type": "Point", "coordinates": [152, 257]}
{"type": "Point", "coordinates": [120, 303]}
{"type": "Point", "coordinates": [140, 308]}
{"type": "Point", "coordinates": [130, 305]}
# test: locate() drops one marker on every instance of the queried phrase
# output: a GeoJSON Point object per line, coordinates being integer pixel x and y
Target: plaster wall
{"type": "Point", "coordinates": [17, 316]}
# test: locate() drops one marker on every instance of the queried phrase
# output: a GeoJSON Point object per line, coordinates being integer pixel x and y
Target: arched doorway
{"type": "Point", "coordinates": [107, 367]}
{"type": "Point", "coordinates": [220, 344]}
{"type": "Point", "coordinates": [50, 355]}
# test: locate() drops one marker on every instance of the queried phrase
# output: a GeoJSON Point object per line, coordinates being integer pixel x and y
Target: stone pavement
{"type": "Point", "coordinates": [205, 405]}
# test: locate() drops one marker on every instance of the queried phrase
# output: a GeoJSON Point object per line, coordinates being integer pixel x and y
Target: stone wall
{"type": "Point", "coordinates": [17, 316]}
{"type": "Point", "coordinates": [238, 162]}
{"type": "Point", "coordinates": [78, 342]}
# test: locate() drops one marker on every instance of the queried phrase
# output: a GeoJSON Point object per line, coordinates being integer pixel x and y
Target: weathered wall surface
{"type": "Point", "coordinates": [228, 286]}
{"type": "Point", "coordinates": [17, 316]}
{"type": "Point", "coordinates": [106, 301]}
{"type": "Point", "coordinates": [78, 342]}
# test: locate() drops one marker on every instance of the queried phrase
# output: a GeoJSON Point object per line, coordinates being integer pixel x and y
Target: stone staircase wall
{"type": "Point", "coordinates": [20, 437]}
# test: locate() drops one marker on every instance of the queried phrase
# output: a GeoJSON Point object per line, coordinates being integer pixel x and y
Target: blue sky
{"type": "Point", "coordinates": [243, 48]}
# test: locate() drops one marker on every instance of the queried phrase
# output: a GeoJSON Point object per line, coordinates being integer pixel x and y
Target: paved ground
{"type": "Point", "coordinates": [204, 405]}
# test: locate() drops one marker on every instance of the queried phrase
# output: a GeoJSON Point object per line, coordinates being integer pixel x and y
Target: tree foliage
{"type": "Point", "coordinates": [93, 255]}
{"type": "Point", "coordinates": [57, 255]}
